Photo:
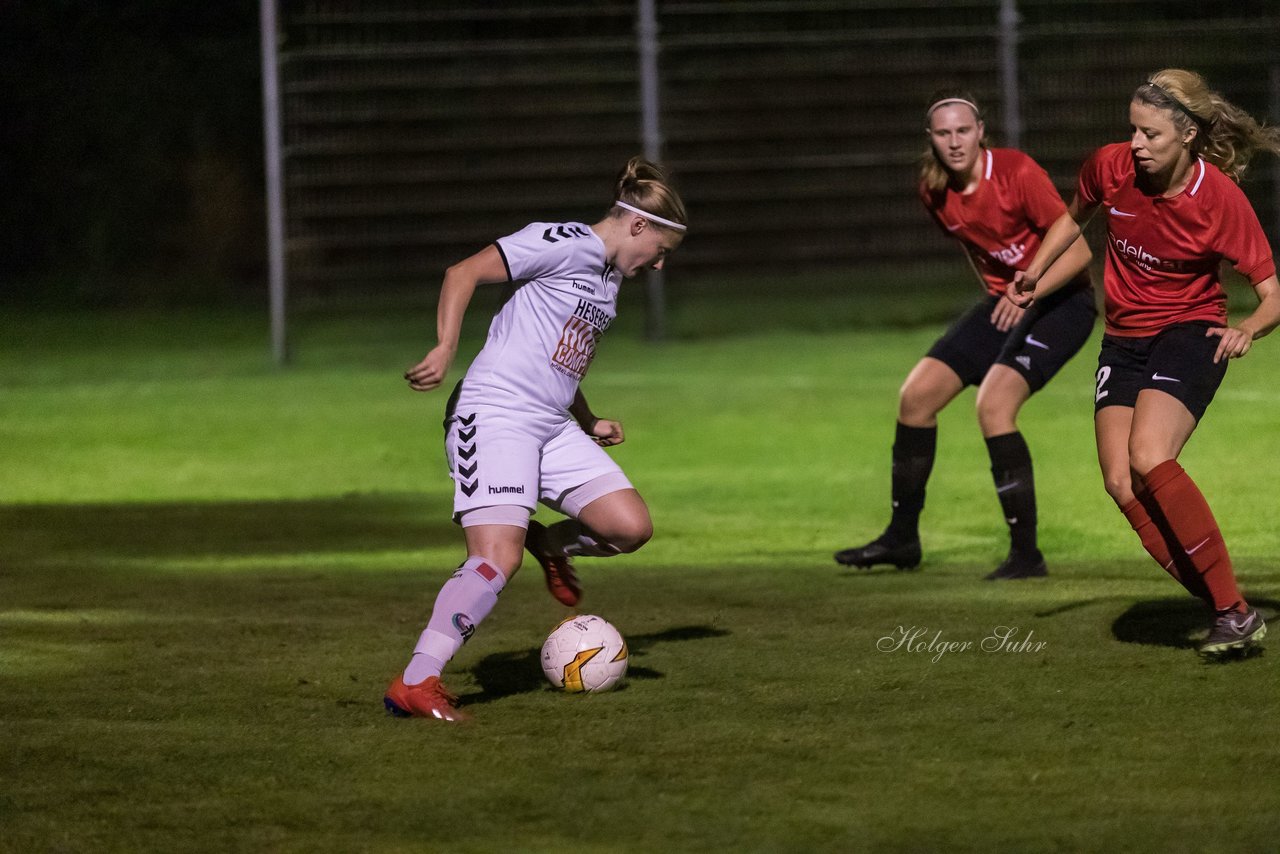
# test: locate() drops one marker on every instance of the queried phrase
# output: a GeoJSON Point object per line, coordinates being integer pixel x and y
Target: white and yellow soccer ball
{"type": "Point", "coordinates": [585, 655]}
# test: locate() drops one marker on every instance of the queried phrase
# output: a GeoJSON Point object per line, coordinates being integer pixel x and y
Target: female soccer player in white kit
{"type": "Point", "coordinates": [518, 429]}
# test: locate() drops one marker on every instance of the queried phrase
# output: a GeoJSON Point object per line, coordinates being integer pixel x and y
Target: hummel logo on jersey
{"type": "Point", "coordinates": [1025, 361]}
{"type": "Point", "coordinates": [1159, 377]}
{"type": "Point", "coordinates": [1034, 343]}
{"type": "Point", "coordinates": [1118, 212]}
{"type": "Point", "coordinates": [562, 233]}
{"type": "Point", "coordinates": [581, 287]}
{"type": "Point", "coordinates": [467, 481]}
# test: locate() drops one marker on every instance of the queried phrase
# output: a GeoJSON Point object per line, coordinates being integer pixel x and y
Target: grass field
{"type": "Point", "coordinates": [210, 568]}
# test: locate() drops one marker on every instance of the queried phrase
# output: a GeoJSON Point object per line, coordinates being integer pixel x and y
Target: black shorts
{"type": "Point", "coordinates": [1177, 361]}
{"type": "Point", "coordinates": [1049, 334]}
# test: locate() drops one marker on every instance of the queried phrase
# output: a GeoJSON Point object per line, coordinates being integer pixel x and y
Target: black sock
{"type": "Point", "coordinates": [1016, 488]}
{"type": "Point", "coordinates": [913, 453]}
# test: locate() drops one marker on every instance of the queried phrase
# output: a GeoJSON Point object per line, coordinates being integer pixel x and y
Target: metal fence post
{"type": "Point", "coordinates": [1009, 20]}
{"type": "Point", "coordinates": [651, 136]}
{"type": "Point", "coordinates": [274, 178]}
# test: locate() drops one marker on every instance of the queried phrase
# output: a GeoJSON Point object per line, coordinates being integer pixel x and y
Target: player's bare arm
{"type": "Point", "coordinates": [604, 431]}
{"type": "Point", "coordinates": [1069, 265]}
{"type": "Point", "coordinates": [1238, 339]}
{"type": "Point", "coordinates": [1061, 236]}
{"type": "Point", "coordinates": [459, 285]}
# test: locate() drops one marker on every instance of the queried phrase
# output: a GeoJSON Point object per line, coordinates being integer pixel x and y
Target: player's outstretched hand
{"type": "Point", "coordinates": [1234, 344]}
{"type": "Point", "coordinates": [1006, 315]}
{"type": "Point", "coordinates": [431, 371]}
{"type": "Point", "coordinates": [606, 433]}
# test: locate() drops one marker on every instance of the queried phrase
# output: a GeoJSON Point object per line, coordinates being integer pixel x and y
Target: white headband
{"type": "Point", "coordinates": [946, 101]}
{"type": "Point", "coordinates": [659, 220]}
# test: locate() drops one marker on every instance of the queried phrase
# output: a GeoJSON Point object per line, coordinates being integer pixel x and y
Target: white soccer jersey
{"type": "Point", "coordinates": [543, 339]}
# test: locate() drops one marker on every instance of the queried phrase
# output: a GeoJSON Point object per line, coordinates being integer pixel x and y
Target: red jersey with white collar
{"type": "Point", "coordinates": [1002, 222]}
{"type": "Point", "coordinates": [1163, 254]}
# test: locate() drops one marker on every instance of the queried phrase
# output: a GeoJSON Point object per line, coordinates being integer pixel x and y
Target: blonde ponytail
{"type": "Point", "coordinates": [1226, 135]}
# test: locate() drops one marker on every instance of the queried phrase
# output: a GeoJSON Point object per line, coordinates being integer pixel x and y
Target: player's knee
{"type": "Point", "coordinates": [914, 407]}
{"type": "Point", "coordinates": [632, 536]}
{"type": "Point", "coordinates": [1143, 460]}
{"type": "Point", "coordinates": [1119, 486]}
{"type": "Point", "coordinates": [995, 417]}
{"type": "Point", "coordinates": [639, 536]}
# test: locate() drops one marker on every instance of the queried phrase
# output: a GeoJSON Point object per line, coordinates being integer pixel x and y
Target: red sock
{"type": "Point", "coordinates": [1152, 539]}
{"type": "Point", "coordinates": [1189, 522]}
{"type": "Point", "coordinates": [1157, 545]}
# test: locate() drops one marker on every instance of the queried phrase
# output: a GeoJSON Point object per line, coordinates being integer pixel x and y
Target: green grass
{"type": "Point", "coordinates": [210, 568]}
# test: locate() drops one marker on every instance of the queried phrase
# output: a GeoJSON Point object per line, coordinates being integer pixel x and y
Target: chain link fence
{"type": "Point", "coordinates": [413, 133]}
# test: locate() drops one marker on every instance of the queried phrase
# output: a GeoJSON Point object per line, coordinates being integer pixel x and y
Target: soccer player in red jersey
{"type": "Point", "coordinates": [998, 203]}
{"type": "Point", "coordinates": [1174, 212]}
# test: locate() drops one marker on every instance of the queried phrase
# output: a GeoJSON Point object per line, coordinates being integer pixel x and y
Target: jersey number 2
{"type": "Point", "coordinates": [1104, 373]}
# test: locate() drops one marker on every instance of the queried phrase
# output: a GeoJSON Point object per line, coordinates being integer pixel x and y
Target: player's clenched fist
{"type": "Point", "coordinates": [431, 371]}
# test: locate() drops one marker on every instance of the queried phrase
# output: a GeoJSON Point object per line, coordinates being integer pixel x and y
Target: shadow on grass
{"type": "Point", "coordinates": [505, 674]}
{"type": "Point", "coordinates": [1177, 623]}
{"type": "Point", "coordinates": [352, 523]}
{"type": "Point", "coordinates": [1068, 607]}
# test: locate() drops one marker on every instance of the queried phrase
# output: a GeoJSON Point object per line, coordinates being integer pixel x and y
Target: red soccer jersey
{"type": "Point", "coordinates": [1163, 255]}
{"type": "Point", "coordinates": [1001, 223]}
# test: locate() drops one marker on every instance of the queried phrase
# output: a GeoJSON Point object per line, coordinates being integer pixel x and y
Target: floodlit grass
{"type": "Point", "coordinates": [210, 568]}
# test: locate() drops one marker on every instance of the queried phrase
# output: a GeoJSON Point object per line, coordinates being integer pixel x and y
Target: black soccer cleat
{"type": "Point", "coordinates": [1233, 633]}
{"type": "Point", "coordinates": [903, 555]}
{"type": "Point", "coordinates": [1018, 565]}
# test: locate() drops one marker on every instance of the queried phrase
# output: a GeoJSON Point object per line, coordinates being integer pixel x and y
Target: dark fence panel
{"type": "Point", "coordinates": [415, 133]}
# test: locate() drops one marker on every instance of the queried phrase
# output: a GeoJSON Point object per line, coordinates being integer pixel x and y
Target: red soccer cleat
{"type": "Point", "coordinates": [562, 581]}
{"type": "Point", "coordinates": [428, 699]}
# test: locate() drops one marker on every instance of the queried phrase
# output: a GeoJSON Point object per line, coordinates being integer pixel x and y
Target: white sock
{"type": "Point", "coordinates": [464, 600]}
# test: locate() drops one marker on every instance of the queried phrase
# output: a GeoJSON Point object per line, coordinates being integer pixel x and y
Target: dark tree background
{"type": "Point", "coordinates": [132, 149]}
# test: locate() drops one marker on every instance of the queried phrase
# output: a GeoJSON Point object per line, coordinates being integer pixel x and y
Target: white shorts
{"type": "Point", "coordinates": [496, 458]}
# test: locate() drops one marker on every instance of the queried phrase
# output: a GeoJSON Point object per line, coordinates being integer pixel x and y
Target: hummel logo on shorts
{"type": "Point", "coordinates": [1157, 376]}
{"type": "Point", "coordinates": [1118, 212]}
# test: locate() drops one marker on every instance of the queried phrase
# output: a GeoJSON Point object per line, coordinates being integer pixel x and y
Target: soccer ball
{"type": "Point", "coordinates": [585, 655]}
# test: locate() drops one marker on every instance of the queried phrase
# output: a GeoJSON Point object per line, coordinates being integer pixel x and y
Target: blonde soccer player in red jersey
{"type": "Point", "coordinates": [997, 203]}
{"type": "Point", "coordinates": [518, 428]}
{"type": "Point", "coordinates": [1174, 212]}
